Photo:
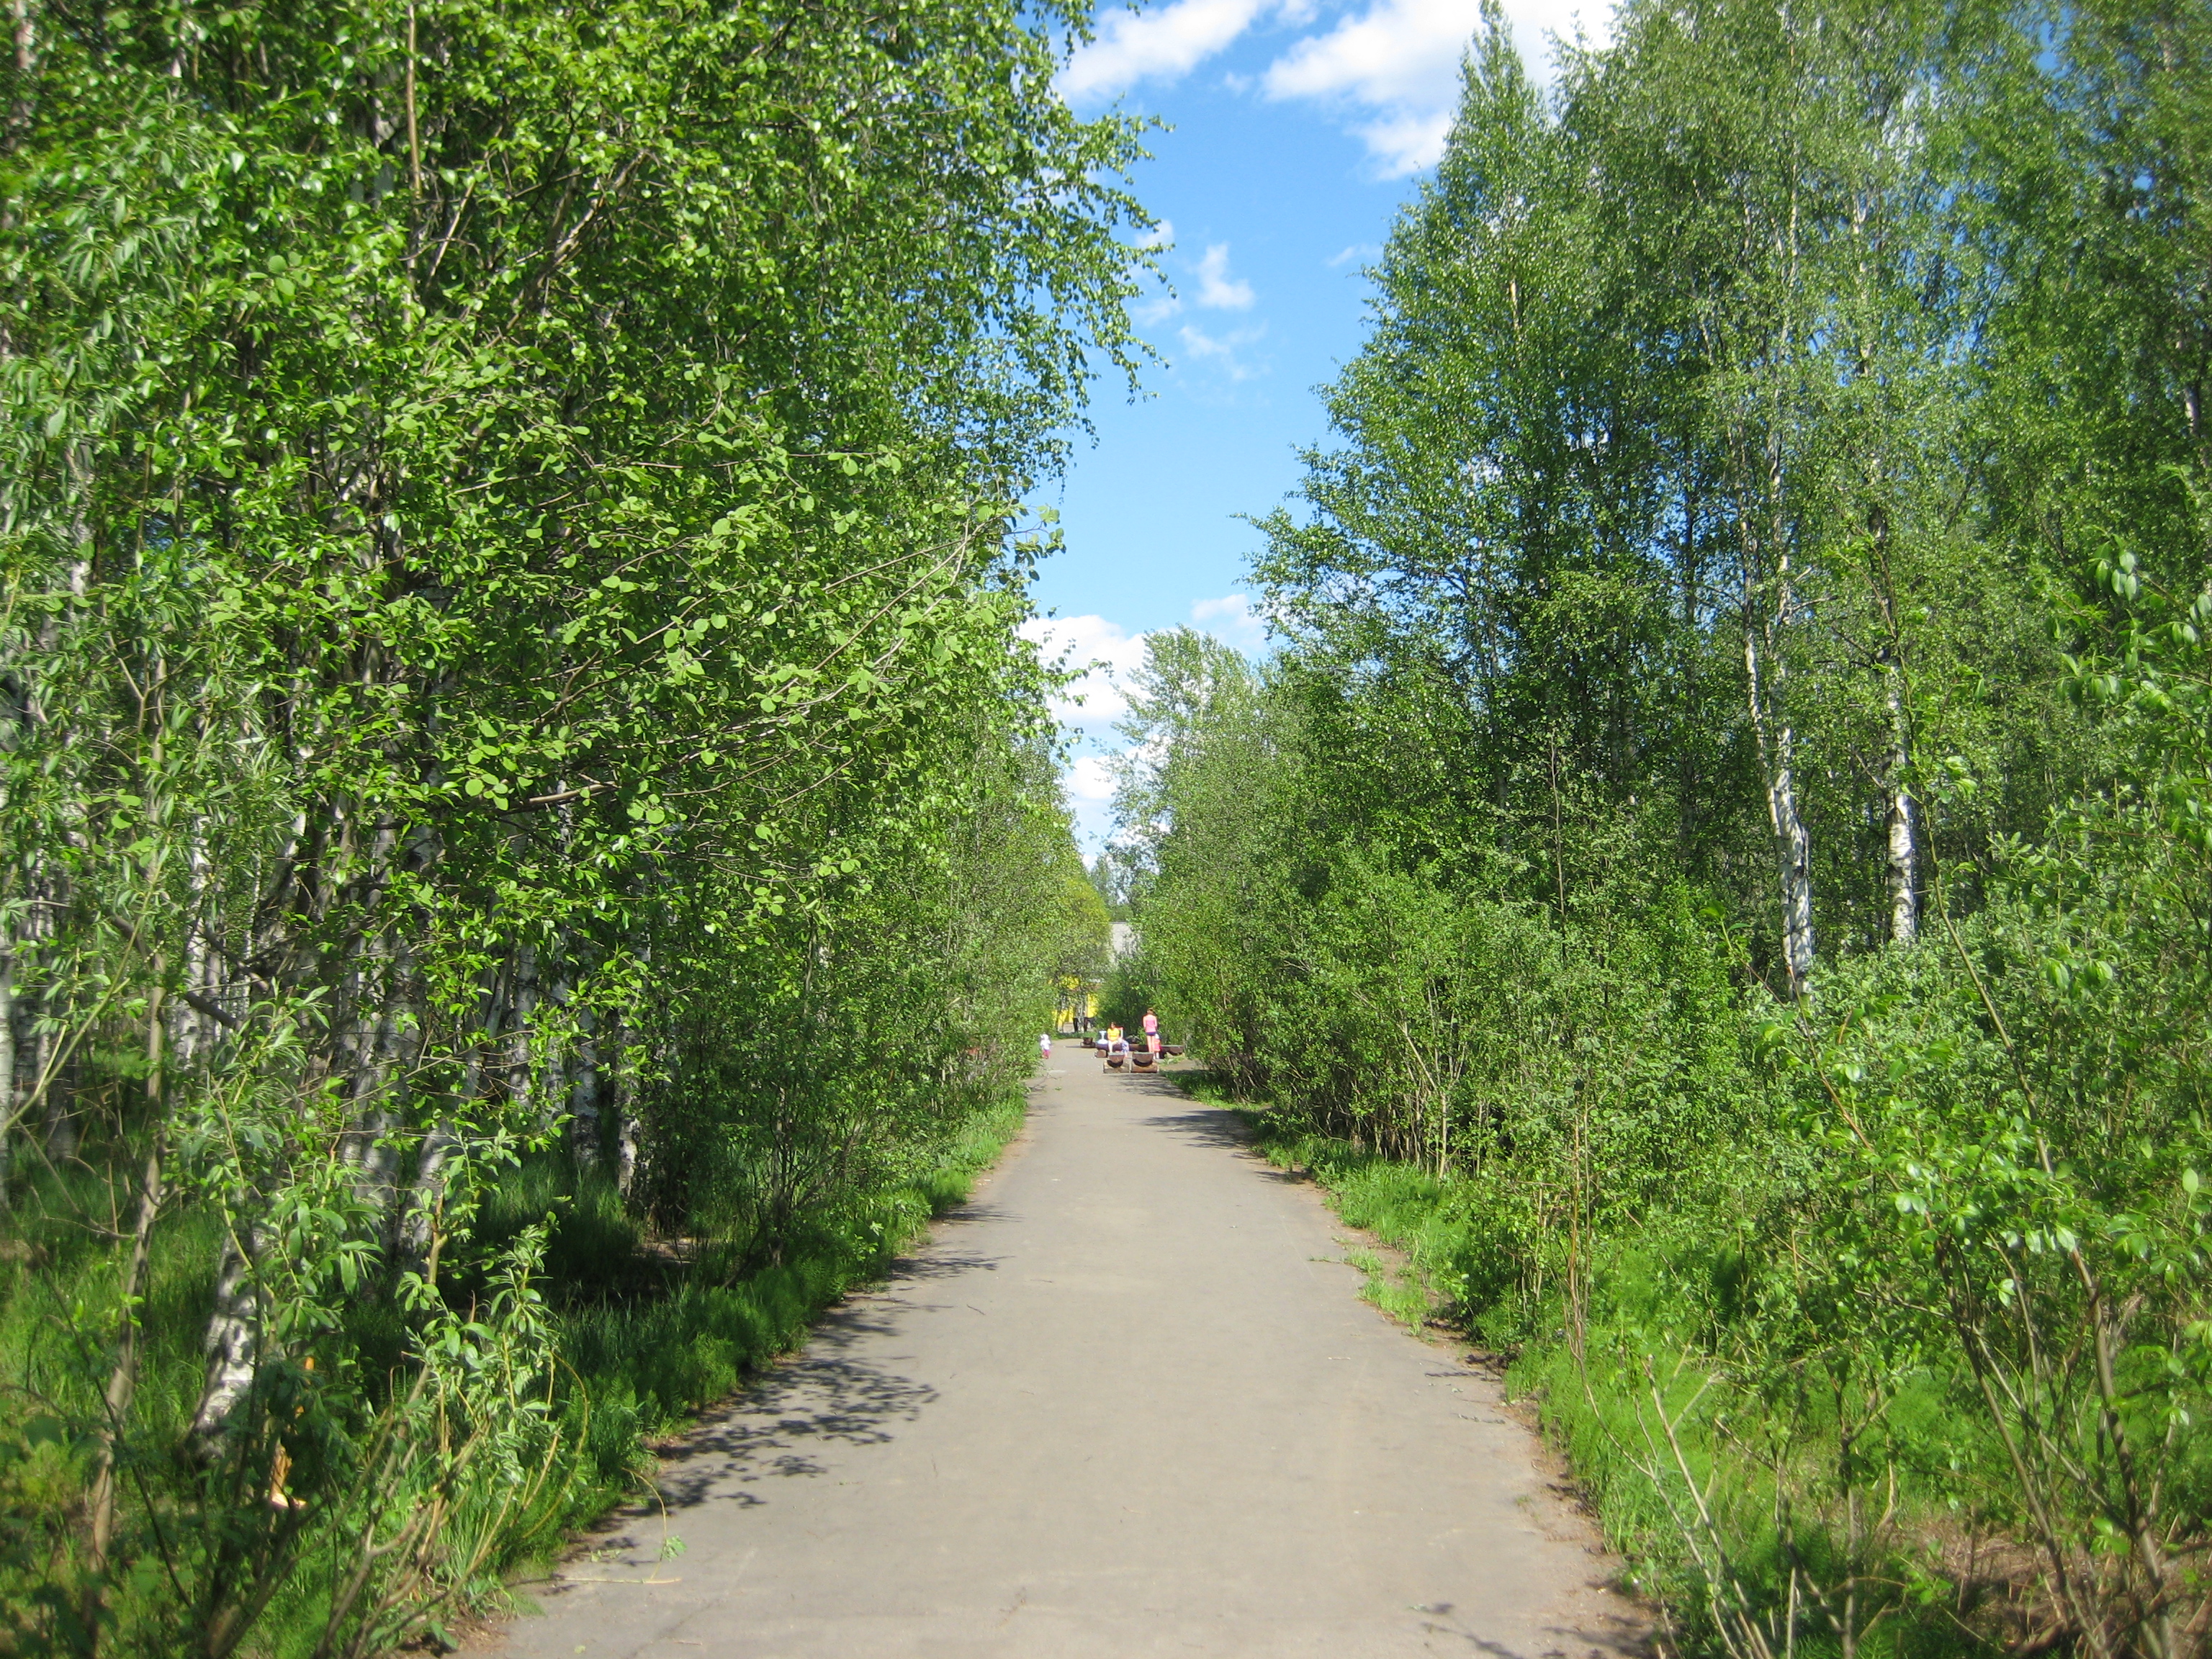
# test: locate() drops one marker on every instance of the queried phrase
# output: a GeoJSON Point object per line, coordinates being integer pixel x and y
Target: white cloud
{"type": "Point", "coordinates": [1405, 143]}
{"type": "Point", "coordinates": [1101, 651]}
{"type": "Point", "coordinates": [1090, 782]}
{"type": "Point", "coordinates": [1222, 349]}
{"type": "Point", "coordinates": [1401, 60]}
{"type": "Point", "coordinates": [1398, 62]}
{"type": "Point", "coordinates": [1216, 288]}
{"type": "Point", "coordinates": [1164, 45]}
{"type": "Point", "coordinates": [1232, 620]}
{"type": "Point", "coordinates": [1361, 252]}
{"type": "Point", "coordinates": [1393, 69]}
{"type": "Point", "coordinates": [1160, 235]}
{"type": "Point", "coordinates": [1399, 51]}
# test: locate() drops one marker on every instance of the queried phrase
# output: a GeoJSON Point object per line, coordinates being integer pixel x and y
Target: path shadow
{"type": "Point", "coordinates": [973, 1209]}
{"type": "Point", "coordinates": [1205, 1126]}
{"type": "Point", "coordinates": [1622, 1635]}
{"type": "Point", "coordinates": [778, 1425]}
{"type": "Point", "coordinates": [932, 1269]}
{"type": "Point", "coordinates": [1216, 1127]}
{"type": "Point", "coordinates": [1610, 1636]}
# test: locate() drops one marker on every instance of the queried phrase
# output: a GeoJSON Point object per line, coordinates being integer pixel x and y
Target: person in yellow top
{"type": "Point", "coordinates": [1116, 1042]}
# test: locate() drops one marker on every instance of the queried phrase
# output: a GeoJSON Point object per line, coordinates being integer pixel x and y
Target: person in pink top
{"type": "Point", "coordinates": [1151, 1031]}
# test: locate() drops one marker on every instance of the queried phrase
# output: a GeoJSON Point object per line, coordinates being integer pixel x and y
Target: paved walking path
{"type": "Point", "coordinates": [1127, 1402]}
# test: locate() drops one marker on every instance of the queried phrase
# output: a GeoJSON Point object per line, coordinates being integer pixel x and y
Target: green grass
{"type": "Point", "coordinates": [645, 1341]}
{"type": "Point", "coordinates": [645, 1363]}
{"type": "Point", "coordinates": [1465, 1263]}
{"type": "Point", "coordinates": [1399, 1291]}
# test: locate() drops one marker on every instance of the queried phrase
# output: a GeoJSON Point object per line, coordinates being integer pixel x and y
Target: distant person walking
{"type": "Point", "coordinates": [1044, 1048]}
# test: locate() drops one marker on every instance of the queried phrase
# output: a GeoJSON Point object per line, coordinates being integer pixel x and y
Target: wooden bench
{"type": "Point", "coordinates": [1137, 1055]}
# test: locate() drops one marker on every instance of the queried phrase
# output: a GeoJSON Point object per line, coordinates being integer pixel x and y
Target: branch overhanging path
{"type": "Point", "coordinates": [1128, 1401]}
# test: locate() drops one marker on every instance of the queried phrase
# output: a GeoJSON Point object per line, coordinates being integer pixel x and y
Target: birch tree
{"type": "Point", "coordinates": [489, 491]}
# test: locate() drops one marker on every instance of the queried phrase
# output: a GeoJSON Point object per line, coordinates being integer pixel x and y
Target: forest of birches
{"type": "Point", "coordinates": [531, 852]}
{"type": "Point", "coordinates": [1718, 864]}
{"type": "Point", "coordinates": [531, 847]}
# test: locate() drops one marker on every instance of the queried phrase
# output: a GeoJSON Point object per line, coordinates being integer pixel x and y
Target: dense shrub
{"type": "Point", "coordinates": [1715, 866]}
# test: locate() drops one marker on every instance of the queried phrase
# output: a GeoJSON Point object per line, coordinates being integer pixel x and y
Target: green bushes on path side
{"type": "Point", "coordinates": [1736, 1487]}
{"type": "Point", "coordinates": [512, 573]}
{"type": "Point", "coordinates": [642, 1368]}
{"type": "Point", "coordinates": [640, 1341]}
{"type": "Point", "coordinates": [1729, 796]}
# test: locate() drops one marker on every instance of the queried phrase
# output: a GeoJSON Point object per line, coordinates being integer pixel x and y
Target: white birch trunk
{"type": "Point", "coordinates": [365, 1147]}
{"type": "Point", "coordinates": [232, 1345]}
{"type": "Point", "coordinates": [429, 1194]}
{"type": "Point", "coordinates": [626, 1150]}
{"type": "Point", "coordinates": [438, 1141]}
{"type": "Point", "coordinates": [584, 1127]}
{"type": "Point", "coordinates": [1777, 757]}
{"type": "Point", "coordinates": [387, 1024]}
{"type": "Point", "coordinates": [522, 1020]}
{"type": "Point", "coordinates": [192, 1030]}
{"type": "Point", "coordinates": [553, 1052]}
{"type": "Point", "coordinates": [1903, 826]}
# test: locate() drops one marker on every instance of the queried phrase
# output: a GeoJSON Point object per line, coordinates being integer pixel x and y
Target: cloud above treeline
{"type": "Point", "coordinates": [1390, 70]}
{"type": "Point", "coordinates": [1104, 656]}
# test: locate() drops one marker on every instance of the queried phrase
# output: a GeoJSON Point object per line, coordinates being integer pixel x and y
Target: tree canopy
{"type": "Point", "coordinates": [1725, 803]}
{"type": "Point", "coordinates": [512, 555]}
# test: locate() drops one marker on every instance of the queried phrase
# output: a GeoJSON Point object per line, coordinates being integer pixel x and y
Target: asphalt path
{"type": "Point", "coordinates": [1127, 1401]}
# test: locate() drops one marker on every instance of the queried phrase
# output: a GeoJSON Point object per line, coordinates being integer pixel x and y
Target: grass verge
{"type": "Point", "coordinates": [1720, 1501]}
{"type": "Point", "coordinates": [643, 1365]}
{"type": "Point", "coordinates": [641, 1336]}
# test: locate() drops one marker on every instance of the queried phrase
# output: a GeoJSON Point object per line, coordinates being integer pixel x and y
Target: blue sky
{"type": "Point", "coordinates": [1299, 129]}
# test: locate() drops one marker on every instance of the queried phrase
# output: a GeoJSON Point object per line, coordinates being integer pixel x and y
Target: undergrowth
{"type": "Point", "coordinates": [1642, 1416]}
{"type": "Point", "coordinates": [645, 1362]}
{"type": "Point", "coordinates": [645, 1332]}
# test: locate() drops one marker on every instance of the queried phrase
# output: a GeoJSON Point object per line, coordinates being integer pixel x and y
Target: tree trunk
{"type": "Point", "coordinates": [1904, 819]}
{"type": "Point", "coordinates": [586, 1133]}
{"type": "Point", "coordinates": [1900, 815]}
{"type": "Point", "coordinates": [233, 1344]}
{"type": "Point", "coordinates": [122, 1387]}
{"type": "Point", "coordinates": [626, 1154]}
{"type": "Point", "coordinates": [192, 1028]}
{"type": "Point", "coordinates": [522, 1020]}
{"type": "Point", "coordinates": [1777, 757]}
{"type": "Point", "coordinates": [625, 1109]}
{"type": "Point", "coordinates": [7, 1060]}
{"type": "Point", "coordinates": [58, 1132]}
{"type": "Point", "coordinates": [123, 1381]}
